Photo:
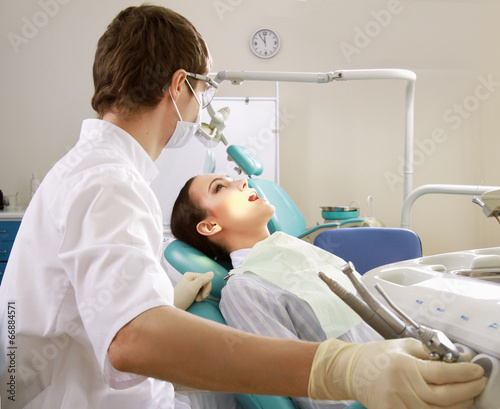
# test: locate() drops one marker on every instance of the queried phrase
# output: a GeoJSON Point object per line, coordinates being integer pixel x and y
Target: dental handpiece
{"type": "Point", "coordinates": [438, 344]}
{"type": "Point", "coordinates": [360, 307]}
{"type": "Point", "coordinates": [403, 330]}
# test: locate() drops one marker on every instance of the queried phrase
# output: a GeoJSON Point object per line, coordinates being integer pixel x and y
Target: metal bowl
{"type": "Point", "coordinates": [339, 212]}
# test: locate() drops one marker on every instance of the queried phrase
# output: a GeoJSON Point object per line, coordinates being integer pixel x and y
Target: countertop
{"type": "Point", "coordinates": [15, 213]}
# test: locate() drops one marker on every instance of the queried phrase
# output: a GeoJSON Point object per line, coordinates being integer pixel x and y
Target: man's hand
{"type": "Point", "coordinates": [392, 374]}
{"type": "Point", "coordinates": [192, 287]}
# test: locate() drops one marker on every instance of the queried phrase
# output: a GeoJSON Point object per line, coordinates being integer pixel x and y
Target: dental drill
{"type": "Point", "coordinates": [388, 324]}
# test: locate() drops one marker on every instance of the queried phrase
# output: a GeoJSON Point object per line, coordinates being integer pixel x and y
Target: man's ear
{"type": "Point", "coordinates": [208, 228]}
{"type": "Point", "coordinates": [175, 85]}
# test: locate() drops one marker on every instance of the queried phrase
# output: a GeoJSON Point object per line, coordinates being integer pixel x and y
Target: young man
{"type": "Point", "coordinates": [88, 312]}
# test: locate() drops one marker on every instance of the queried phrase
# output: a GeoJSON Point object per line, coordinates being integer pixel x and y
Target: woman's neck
{"type": "Point", "coordinates": [244, 241]}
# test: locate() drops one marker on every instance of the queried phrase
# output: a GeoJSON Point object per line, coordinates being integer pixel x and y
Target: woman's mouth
{"type": "Point", "coordinates": [253, 196]}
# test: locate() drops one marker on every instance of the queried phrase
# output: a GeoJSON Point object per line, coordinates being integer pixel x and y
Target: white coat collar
{"type": "Point", "coordinates": [97, 130]}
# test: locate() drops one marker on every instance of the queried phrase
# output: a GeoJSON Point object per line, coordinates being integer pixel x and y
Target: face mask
{"type": "Point", "coordinates": [184, 130]}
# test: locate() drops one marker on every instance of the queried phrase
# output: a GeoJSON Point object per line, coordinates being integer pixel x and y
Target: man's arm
{"type": "Point", "coordinates": [170, 344]}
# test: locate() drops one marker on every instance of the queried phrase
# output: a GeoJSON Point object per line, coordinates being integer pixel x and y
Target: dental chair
{"type": "Point", "coordinates": [184, 258]}
{"type": "Point", "coordinates": [371, 247]}
{"type": "Point", "coordinates": [287, 217]}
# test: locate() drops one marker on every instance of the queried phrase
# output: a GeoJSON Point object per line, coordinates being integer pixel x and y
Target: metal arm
{"type": "Point", "coordinates": [237, 77]}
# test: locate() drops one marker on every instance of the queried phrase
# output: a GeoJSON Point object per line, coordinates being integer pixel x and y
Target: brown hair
{"type": "Point", "coordinates": [186, 214]}
{"type": "Point", "coordinates": [137, 56]}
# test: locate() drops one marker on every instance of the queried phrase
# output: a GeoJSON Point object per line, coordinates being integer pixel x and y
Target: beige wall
{"type": "Point", "coordinates": [338, 141]}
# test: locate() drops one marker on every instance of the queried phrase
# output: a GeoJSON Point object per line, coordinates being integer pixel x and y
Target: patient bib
{"type": "Point", "coordinates": [293, 265]}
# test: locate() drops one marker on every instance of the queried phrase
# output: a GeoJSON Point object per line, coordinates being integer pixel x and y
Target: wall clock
{"type": "Point", "coordinates": [265, 43]}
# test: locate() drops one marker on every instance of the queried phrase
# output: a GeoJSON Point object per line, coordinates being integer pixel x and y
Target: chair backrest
{"type": "Point", "coordinates": [371, 247]}
{"type": "Point", "coordinates": [287, 217]}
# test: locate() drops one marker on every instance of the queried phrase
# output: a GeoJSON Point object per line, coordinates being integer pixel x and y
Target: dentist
{"type": "Point", "coordinates": [88, 314]}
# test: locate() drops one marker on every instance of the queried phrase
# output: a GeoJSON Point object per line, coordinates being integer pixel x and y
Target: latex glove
{"type": "Point", "coordinates": [394, 374]}
{"type": "Point", "coordinates": [192, 287]}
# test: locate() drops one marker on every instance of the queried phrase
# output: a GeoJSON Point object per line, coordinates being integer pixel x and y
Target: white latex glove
{"type": "Point", "coordinates": [192, 287]}
{"type": "Point", "coordinates": [393, 374]}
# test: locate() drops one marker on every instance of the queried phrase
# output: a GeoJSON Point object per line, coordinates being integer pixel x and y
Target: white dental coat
{"type": "Point", "coordinates": [85, 262]}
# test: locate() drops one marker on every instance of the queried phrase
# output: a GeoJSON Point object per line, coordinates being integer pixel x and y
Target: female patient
{"type": "Point", "coordinates": [224, 218]}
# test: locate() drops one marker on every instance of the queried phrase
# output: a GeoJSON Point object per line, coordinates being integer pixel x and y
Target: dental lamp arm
{"type": "Point", "coordinates": [237, 77]}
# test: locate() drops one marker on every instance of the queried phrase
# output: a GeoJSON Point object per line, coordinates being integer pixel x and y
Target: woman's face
{"type": "Point", "coordinates": [231, 203]}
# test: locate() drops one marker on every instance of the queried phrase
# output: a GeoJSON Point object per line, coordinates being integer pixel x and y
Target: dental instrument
{"type": "Point", "coordinates": [436, 342]}
{"type": "Point", "coordinates": [361, 308]}
{"type": "Point", "coordinates": [490, 203]}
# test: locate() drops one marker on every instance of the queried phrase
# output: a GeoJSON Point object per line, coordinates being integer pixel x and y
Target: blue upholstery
{"type": "Point", "coordinates": [185, 258]}
{"type": "Point", "coordinates": [370, 247]}
{"type": "Point", "coordinates": [287, 217]}
{"type": "Point", "coordinates": [245, 159]}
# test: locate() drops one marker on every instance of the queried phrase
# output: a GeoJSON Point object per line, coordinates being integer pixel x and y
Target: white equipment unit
{"type": "Point", "coordinates": [457, 293]}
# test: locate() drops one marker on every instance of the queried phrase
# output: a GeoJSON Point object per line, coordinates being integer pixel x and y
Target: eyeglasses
{"type": "Point", "coordinates": [209, 92]}
{"type": "Point", "coordinates": [210, 89]}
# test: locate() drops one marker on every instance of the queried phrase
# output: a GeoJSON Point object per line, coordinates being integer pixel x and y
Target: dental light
{"type": "Point", "coordinates": [237, 77]}
{"type": "Point", "coordinates": [211, 134]}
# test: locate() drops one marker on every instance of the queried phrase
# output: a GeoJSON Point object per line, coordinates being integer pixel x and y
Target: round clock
{"type": "Point", "coordinates": [265, 43]}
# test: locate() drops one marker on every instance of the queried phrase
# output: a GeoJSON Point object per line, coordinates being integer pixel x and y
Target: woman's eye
{"type": "Point", "coordinates": [218, 187]}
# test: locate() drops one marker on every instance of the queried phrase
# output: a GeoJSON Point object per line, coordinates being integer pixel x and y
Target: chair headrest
{"type": "Point", "coordinates": [245, 159]}
{"type": "Point", "coordinates": [184, 258]}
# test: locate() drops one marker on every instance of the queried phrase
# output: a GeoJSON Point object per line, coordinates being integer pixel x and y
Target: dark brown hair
{"type": "Point", "coordinates": [137, 56]}
{"type": "Point", "coordinates": [186, 214]}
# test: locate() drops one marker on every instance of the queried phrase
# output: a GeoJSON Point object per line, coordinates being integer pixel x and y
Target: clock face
{"type": "Point", "coordinates": [265, 43]}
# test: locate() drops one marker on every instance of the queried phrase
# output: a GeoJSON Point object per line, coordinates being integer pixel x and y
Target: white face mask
{"type": "Point", "coordinates": [184, 130]}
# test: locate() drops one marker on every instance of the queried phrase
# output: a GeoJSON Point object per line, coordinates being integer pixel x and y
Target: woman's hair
{"type": "Point", "coordinates": [186, 214]}
{"type": "Point", "coordinates": [137, 56]}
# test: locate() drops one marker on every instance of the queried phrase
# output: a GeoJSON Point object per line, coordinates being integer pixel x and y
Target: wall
{"type": "Point", "coordinates": [340, 142]}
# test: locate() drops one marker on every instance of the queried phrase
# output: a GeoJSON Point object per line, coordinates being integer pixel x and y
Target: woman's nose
{"type": "Point", "coordinates": [242, 184]}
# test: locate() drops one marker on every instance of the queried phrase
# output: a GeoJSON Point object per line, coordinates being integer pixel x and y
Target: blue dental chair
{"type": "Point", "coordinates": [287, 217]}
{"type": "Point", "coordinates": [185, 258]}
